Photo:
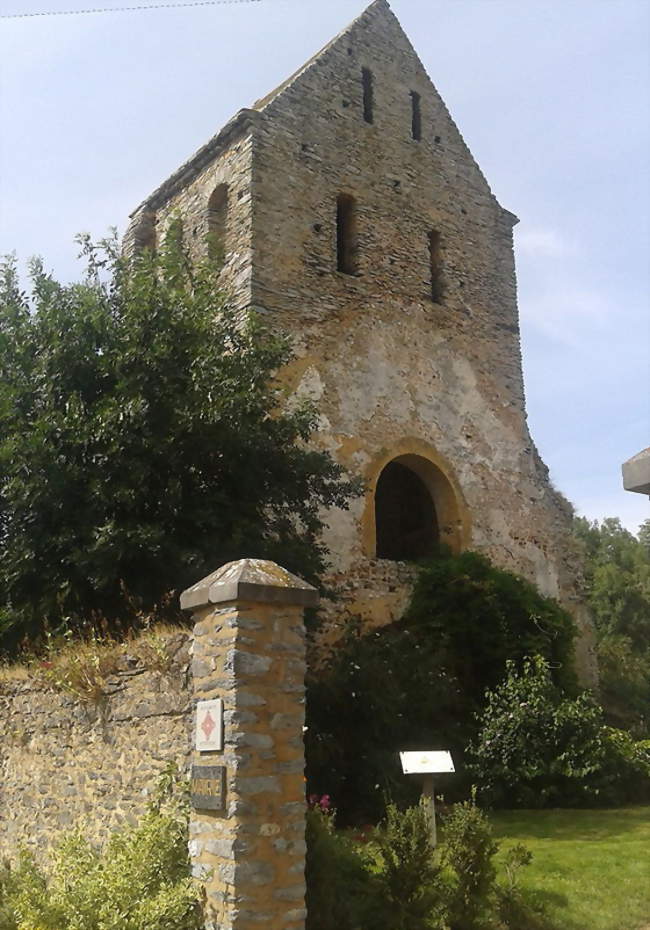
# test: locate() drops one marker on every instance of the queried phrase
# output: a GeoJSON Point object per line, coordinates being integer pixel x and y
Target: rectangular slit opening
{"type": "Point", "coordinates": [368, 95]}
{"type": "Point", "coordinates": [416, 116]}
{"type": "Point", "coordinates": [435, 267]}
{"type": "Point", "coordinates": [346, 234]}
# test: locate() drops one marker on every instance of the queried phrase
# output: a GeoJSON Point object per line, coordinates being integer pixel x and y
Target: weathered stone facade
{"type": "Point", "coordinates": [409, 340]}
{"type": "Point", "coordinates": [68, 761]}
{"type": "Point", "coordinates": [92, 762]}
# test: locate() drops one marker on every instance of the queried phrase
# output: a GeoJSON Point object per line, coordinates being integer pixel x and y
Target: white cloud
{"type": "Point", "coordinates": [543, 242]}
{"type": "Point", "coordinates": [572, 317]}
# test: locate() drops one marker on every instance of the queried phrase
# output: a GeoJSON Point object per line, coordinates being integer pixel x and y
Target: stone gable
{"type": "Point", "coordinates": [358, 222]}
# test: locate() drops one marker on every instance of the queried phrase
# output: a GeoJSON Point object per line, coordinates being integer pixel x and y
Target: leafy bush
{"type": "Point", "coordinates": [419, 683]}
{"type": "Point", "coordinates": [409, 877]}
{"type": "Point", "coordinates": [481, 616]}
{"type": "Point", "coordinates": [144, 440]}
{"type": "Point", "coordinates": [468, 852]}
{"type": "Point", "coordinates": [626, 768]}
{"type": "Point", "coordinates": [340, 889]}
{"type": "Point", "coordinates": [396, 881]}
{"type": "Point", "coordinates": [363, 706]}
{"type": "Point", "coordinates": [139, 881]}
{"type": "Point", "coordinates": [624, 670]}
{"type": "Point", "coordinates": [538, 748]}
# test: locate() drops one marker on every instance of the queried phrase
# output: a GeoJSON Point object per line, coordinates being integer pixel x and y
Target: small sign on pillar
{"type": "Point", "coordinates": [427, 764]}
{"type": "Point", "coordinates": [209, 726]}
{"type": "Point", "coordinates": [207, 787]}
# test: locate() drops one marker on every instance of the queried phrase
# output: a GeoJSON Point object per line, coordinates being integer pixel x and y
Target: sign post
{"type": "Point", "coordinates": [426, 765]}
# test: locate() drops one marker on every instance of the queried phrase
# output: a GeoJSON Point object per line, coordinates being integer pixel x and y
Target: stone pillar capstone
{"type": "Point", "coordinates": [249, 651]}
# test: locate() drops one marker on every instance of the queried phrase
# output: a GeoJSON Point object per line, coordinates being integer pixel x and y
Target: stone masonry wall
{"type": "Point", "coordinates": [68, 762]}
{"type": "Point", "coordinates": [93, 762]}
{"type": "Point", "coordinates": [253, 852]}
{"type": "Point", "coordinates": [393, 371]}
{"type": "Point", "coordinates": [188, 202]}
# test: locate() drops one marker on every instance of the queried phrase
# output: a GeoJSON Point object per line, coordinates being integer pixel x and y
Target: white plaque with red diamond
{"type": "Point", "coordinates": [209, 726]}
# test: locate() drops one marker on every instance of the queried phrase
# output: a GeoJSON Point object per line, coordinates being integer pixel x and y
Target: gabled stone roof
{"type": "Point", "coordinates": [246, 119]}
{"type": "Point", "coordinates": [237, 126]}
{"type": "Point", "coordinates": [241, 122]}
{"type": "Point", "coordinates": [270, 97]}
{"type": "Point", "coordinates": [249, 580]}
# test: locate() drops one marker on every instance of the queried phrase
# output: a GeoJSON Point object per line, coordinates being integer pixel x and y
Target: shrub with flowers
{"type": "Point", "coordinates": [340, 889]}
{"type": "Point", "coordinates": [321, 803]}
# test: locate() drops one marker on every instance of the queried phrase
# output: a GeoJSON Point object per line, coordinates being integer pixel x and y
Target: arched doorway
{"type": "Point", "coordinates": [405, 515]}
{"type": "Point", "coordinates": [414, 505]}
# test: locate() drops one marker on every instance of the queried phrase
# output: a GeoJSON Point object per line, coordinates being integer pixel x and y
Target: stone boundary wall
{"type": "Point", "coordinates": [92, 763]}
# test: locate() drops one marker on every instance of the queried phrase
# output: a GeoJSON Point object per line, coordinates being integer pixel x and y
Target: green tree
{"type": "Point", "coordinates": [617, 572]}
{"type": "Point", "coordinates": [618, 578]}
{"type": "Point", "coordinates": [536, 747]}
{"type": "Point", "coordinates": [143, 441]}
{"type": "Point", "coordinates": [644, 535]}
{"type": "Point", "coordinates": [419, 683]}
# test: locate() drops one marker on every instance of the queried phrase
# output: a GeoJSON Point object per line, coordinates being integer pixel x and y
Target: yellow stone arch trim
{"type": "Point", "coordinates": [436, 473]}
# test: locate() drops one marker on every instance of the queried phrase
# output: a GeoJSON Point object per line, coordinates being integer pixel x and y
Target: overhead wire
{"type": "Point", "coordinates": [126, 9]}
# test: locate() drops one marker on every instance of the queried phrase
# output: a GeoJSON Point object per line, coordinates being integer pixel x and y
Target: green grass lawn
{"type": "Point", "coordinates": [591, 869]}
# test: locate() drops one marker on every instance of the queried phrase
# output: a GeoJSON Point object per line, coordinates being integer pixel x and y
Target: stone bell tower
{"type": "Point", "coordinates": [349, 210]}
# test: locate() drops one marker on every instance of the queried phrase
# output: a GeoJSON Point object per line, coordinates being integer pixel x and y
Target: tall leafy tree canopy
{"type": "Point", "coordinates": [618, 585]}
{"type": "Point", "coordinates": [144, 440]}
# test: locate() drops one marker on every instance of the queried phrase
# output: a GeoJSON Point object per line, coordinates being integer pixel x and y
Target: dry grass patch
{"type": "Point", "coordinates": [85, 668]}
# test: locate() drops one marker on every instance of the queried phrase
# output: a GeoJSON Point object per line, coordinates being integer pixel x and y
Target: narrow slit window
{"type": "Point", "coordinates": [368, 95]}
{"type": "Point", "coordinates": [217, 220]}
{"type": "Point", "coordinates": [416, 116]}
{"type": "Point", "coordinates": [346, 234]}
{"type": "Point", "coordinates": [435, 267]}
{"type": "Point", "coordinates": [144, 236]}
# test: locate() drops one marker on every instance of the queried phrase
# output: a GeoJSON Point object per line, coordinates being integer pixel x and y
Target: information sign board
{"type": "Point", "coordinates": [426, 763]}
{"type": "Point", "coordinates": [207, 788]}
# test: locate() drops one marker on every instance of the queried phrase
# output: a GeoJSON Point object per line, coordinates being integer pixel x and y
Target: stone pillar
{"type": "Point", "coordinates": [249, 651]}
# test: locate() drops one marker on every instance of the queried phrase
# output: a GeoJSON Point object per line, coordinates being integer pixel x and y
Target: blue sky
{"type": "Point", "coordinates": [552, 96]}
